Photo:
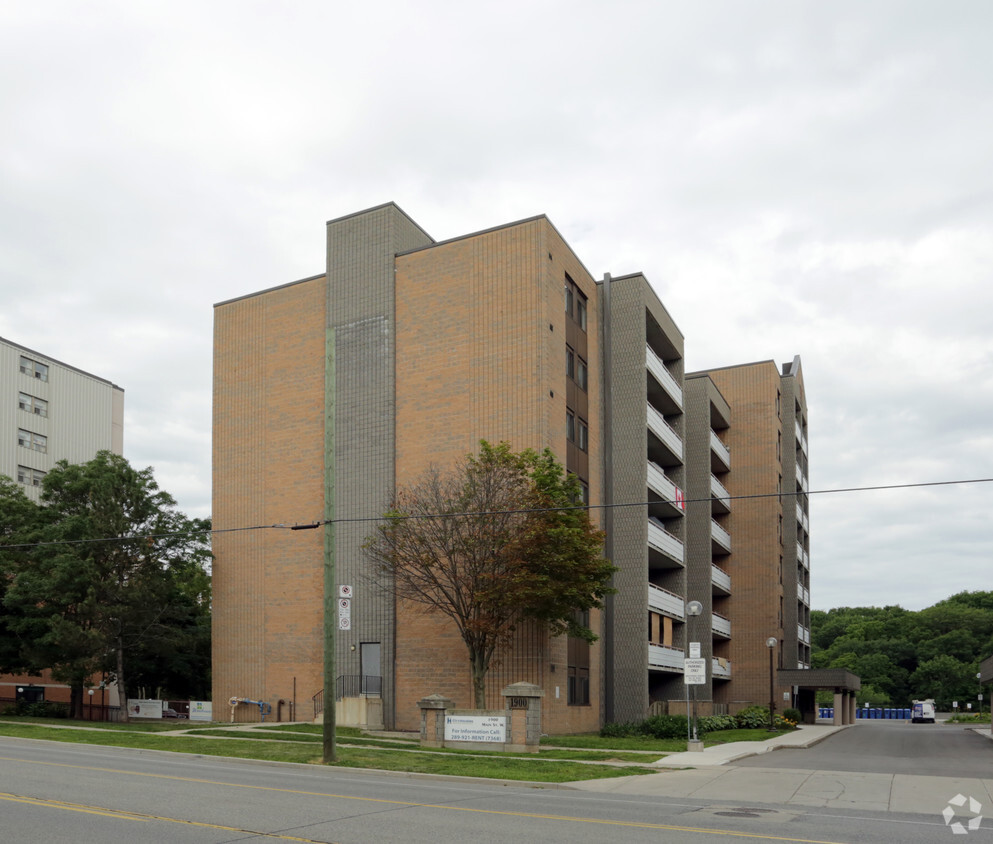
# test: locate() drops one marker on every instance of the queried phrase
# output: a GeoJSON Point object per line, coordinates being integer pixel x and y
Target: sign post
{"type": "Point", "coordinates": [694, 674]}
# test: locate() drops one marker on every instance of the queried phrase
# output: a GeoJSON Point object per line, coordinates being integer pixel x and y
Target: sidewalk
{"type": "Point", "coordinates": [707, 776]}
{"type": "Point", "coordinates": [721, 754]}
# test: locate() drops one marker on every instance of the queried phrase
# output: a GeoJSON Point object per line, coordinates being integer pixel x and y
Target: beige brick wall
{"type": "Point", "coordinates": [268, 461]}
{"type": "Point", "coordinates": [481, 355]}
{"type": "Point", "coordinates": [754, 564]}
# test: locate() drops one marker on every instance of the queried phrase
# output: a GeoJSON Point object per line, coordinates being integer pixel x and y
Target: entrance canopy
{"type": "Point", "coordinates": [815, 679]}
{"type": "Point", "coordinates": [808, 681]}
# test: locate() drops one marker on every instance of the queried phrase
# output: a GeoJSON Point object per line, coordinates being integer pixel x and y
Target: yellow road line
{"type": "Point", "coordinates": [72, 807]}
{"type": "Point", "coordinates": [411, 804]}
{"type": "Point", "coordinates": [144, 818]}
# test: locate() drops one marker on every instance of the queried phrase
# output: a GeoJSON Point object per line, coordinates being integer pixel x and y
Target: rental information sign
{"type": "Point", "coordinates": [476, 728]}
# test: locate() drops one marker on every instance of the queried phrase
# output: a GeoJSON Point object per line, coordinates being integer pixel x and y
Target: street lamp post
{"type": "Point", "coordinates": [979, 679]}
{"type": "Point", "coordinates": [770, 643]}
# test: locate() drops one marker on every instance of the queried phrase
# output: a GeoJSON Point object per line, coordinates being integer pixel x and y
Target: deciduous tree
{"type": "Point", "coordinates": [499, 538]}
{"type": "Point", "coordinates": [103, 583]}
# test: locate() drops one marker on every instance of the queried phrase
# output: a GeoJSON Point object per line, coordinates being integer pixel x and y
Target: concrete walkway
{"type": "Point", "coordinates": [707, 776]}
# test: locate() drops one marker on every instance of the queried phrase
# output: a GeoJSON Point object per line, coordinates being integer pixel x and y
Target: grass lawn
{"type": "Point", "coordinates": [592, 740]}
{"type": "Point", "coordinates": [451, 763]}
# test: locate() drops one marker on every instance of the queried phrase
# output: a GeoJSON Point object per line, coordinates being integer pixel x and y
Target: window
{"type": "Point", "coordinates": [575, 302]}
{"type": "Point", "coordinates": [582, 434]}
{"type": "Point", "coordinates": [37, 442]}
{"type": "Point", "coordinates": [32, 404]}
{"type": "Point", "coordinates": [28, 476]}
{"type": "Point", "coordinates": [570, 362]}
{"type": "Point", "coordinates": [585, 492]}
{"type": "Point", "coordinates": [578, 685]}
{"type": "Point", "coordinates": [34, 369]}
{"type": "Point", "coordinates": [582, 375]}
{"type": "Point", "coordinates": [570, 426]}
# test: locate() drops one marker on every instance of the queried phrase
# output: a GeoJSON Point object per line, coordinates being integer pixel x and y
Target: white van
{"type": "Point", "coordinates": [923, 712]}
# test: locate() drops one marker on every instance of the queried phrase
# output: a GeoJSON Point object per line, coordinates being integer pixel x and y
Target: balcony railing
{"type": "Point", "coordinates": [662, 656]}
{"type": "Point", "coordinates": [803, 594]}
{"type": "Point", "coordinates": [666, 602]}
{"type": "Point", "coordinates": [800, 438]}
{"type": "Point", "coordinates": [658, 426]}
{"type": "Point", "coordinates": [720, 667]}
{"type": "Point", "coordinates": [661, 540]}
{"type": "Point", "coordinates": [720, 578]}
{"type": "Point", "coordinates": [720, 536]}
{"type": "Point", "coordinates": [719, 492]}
{"type": "Point", "coordinates": [803, 634]}
{"type": "Point", "coordinates": [656, 366]}
{"type": "Point", "coordinates": [720, 625]}
{"type": "Point", "coordinates": [666, 489]}
{"type": "Point", "coordinates": [721, 450]}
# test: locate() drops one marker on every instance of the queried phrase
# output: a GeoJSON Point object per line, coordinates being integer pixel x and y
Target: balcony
{"type": "Point", "coordinates": [720, 539]}
{"type": "Point", "coordinates": [720, 668]}
{"type": "Point", "coordinates": [803, 634]}
{"type": "Point", "coordinates": [801, 517]}
{"type": "Point", "coordinates": [670, 497]}
{"type": "Point", "coordinates": [669, 438]}
{"type": "Point", "coordinates": [666, 602]}
{"type": "Point", "coordinates": [801, 440]}
{"type": "Point", "coordinates": [802, 557]}
{"type": "Point", "coordinates": [720, 454]}
{"type": "Point", "coordinates": [660, 540]}
{"type": "Point", "coordinates": [720, 498]}
{"type": "Point", "coordinates": [803, 594]}
{"type": "Point", "coordinates": [720, 580]}
{"type": "Point", "coordinates": [670, 397]}
{"type": "Point", "coordinates": [719, 625]}
{"type": "Point", "coordinates": [662, 656]}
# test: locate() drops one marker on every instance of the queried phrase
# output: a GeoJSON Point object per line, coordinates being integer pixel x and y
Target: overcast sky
{"type": "Point", "coordinates": [794, 178]}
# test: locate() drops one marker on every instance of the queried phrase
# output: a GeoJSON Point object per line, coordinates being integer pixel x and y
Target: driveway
{"type": "Point", "coordinates": [890, 747]}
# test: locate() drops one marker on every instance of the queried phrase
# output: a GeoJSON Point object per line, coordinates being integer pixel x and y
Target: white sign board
{"type": "Point", "coordinates": [344, 591]}
{"type": "Point", "coordinates": [201, 710]}
{"type": "Point", "coordinates": [694, 650]}
{"type": "Point", "coordinates": [476, 728]}
{"type": "Point", "coordinates": [694, 672]}
{"type": "Point", "coordinates": [144, 708]}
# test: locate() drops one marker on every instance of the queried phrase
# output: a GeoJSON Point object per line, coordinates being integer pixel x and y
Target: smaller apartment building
{"type": "Point", "coordinates": [51, 411]}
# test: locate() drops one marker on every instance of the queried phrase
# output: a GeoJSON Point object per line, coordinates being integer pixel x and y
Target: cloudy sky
{"type": "Point", "coordinates": [794, 178]}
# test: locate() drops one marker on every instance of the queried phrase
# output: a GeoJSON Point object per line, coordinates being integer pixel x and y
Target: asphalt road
{"type": "Point", "coordinates": [890, 747]}
{"type": "Point", "coordinates": [58, 793]}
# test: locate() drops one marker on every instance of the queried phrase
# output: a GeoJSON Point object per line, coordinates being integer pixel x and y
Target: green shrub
{"type": "Point", "coordinates": [664, 726]}
{"type": "Point", "coordinates": [793, 715]}
{"type": "Point", "coordinates": [619, 730]}
{"type": "Point", "coordinates": [714, 723]}
{"type": "Point", "coordinates": [39, 709]}
{"type": "Point", "coordinates": [753, 718]}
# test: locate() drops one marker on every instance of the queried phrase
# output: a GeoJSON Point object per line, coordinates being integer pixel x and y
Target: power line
{"type": "Point", "coordinates": [468, 514]}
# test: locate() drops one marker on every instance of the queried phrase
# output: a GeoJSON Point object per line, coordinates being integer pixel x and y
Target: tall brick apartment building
{"type": "Point", "coordinates": [331, 390]}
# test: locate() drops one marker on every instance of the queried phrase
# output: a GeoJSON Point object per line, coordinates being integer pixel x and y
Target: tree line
{"type": "Point", "coordinates": [902, 655]}
{"type": "Point", "coordinates": [104, 578]}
